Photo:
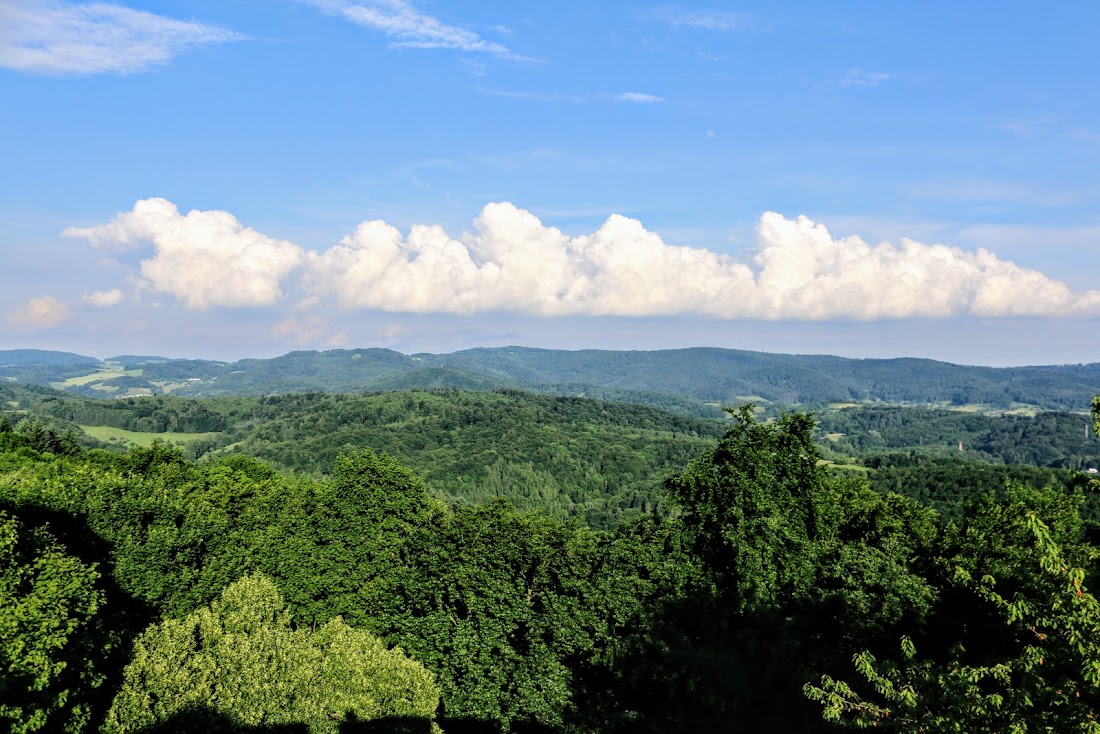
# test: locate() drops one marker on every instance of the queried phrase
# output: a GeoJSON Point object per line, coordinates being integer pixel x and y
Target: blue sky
{"type": "Point", "coordinates": [246, 177]}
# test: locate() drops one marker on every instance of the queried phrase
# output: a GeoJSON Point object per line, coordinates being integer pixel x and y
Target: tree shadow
{"type": "Point", "coordinates": [200, 720]}
{"type": "Point", "coordinates": [206, 721]}
{"type": "Point", "coordinates": [387, 725]}
{"type": "Point", "coordinates": [698, 666]}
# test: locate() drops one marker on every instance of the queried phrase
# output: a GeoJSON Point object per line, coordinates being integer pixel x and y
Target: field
{"type": "Point", "coordinates": [107, 433]}
{"type": "Point", "coordinates": [106, 373]}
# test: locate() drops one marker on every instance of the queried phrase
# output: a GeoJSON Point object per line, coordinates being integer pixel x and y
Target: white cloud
{"type": "Point", "coordinates": [512, 262]}
{"type": "Point", "coordinates": [638, 97]}
{"type": "Point", "coordinates": [43, 312]}
{"type": "Point", "coordinates": [711, 20]}
{"type": "Point", "coordinates": [863, 78]}
{"type": "Point", "coordinates": [412, 28]}
{"type": "Point", "coordinates": [103, 299]}
{"type": "Point", "coordinates": [40, 36]}
{"type": "Point", "coordinates": [204, 259]}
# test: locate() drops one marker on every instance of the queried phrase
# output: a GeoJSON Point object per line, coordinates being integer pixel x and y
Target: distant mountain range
{"type": "Point", "coordinates": [694, 381]}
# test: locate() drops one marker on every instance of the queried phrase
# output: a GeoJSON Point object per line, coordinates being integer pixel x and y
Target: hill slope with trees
{"type": "Point", "coordinates": [687, 380]}
{"type": "Point", "coordinates": [145, 592]}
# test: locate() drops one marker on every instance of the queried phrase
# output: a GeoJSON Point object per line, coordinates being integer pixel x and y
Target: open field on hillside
{"type": "Point", "coordinates": [107, 373]}
{"type": "Point", "coordinates": [107, 433]}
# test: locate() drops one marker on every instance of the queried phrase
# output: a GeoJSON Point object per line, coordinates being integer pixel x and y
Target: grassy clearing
{"type": "Point", "coordinates": [167, 387]}
{"type": "Point", "coordinates": [107, 373]}
{"type": "Point", "coordinates": [843, 467]}
{"type": "Point", "coordinates": [107, 433]}
{"type": "Point", "coordinates": [835, 436]}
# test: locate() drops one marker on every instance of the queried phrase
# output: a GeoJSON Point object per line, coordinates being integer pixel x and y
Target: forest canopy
{"type": "Point", "coordinates": [241, 597]}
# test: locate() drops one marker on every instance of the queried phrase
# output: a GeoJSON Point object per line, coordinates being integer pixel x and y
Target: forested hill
{"type": "Point", "coordinates": [597, 461]}
{"type": "Point", "coordinates": [689, 381]}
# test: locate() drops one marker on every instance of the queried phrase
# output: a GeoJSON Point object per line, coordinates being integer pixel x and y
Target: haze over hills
{"type": "Point", "coordinates": [692, 381]}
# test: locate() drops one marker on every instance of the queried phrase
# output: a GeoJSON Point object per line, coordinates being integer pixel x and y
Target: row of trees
{"type": "Point", "coordinates": [147, 593]}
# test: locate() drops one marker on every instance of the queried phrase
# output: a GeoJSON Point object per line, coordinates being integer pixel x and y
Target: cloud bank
{"type": "Point", "coordinates": [512, 262]}
{"type": "Point", "coordinates": [39, 36]}
{"type": "Point", "coordinates": [204, 258]}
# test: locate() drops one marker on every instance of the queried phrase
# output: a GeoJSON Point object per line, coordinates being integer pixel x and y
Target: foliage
{"type": "Point", "coordinates": [48, 653]}
{"type": "Point", "coordinates": [767, 567]}
{"type": "Point", "coordinates": [804, 562]}
{"type": "Point", "coordinates": [758, 507]}
{"type": "Point", "coordinates": [242, 658]}
{"type": "Point", "coordinates": [1033, 666]}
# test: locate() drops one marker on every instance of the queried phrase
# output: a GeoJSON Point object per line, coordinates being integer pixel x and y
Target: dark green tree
{"type": "Point", "coordinates": [801, 561]}
{"type": "Point", "coordinates": [48, 646]}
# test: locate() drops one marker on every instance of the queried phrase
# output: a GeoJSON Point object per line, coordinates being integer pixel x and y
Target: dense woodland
{"type": "Point", "coordinates": [506, 560]}
{"type": "Point", "coordinates": [146, 592]}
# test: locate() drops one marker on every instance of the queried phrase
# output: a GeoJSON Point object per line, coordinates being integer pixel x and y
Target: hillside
{"type": "Point", "coordinates": [595, 460]}
{"type": "Point", "coordinates": [690, 381]}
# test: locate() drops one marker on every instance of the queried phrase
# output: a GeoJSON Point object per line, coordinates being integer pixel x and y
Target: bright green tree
{"type": "Point", "coordinates": [48, 606]}
{"type": "Point", "coordinates": [242, 660]}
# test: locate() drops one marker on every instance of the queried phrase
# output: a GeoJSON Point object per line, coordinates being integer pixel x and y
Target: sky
{"type": "Point", "coordinates": [244, 178]}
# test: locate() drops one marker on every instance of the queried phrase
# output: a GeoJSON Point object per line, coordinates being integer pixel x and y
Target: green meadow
{"type": "Point", "coordinates": [108, 433]}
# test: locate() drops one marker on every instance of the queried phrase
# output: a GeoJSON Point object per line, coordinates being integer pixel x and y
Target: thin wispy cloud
{"type": "Point", "coordinates": [537, 96]}
{"type": "Point", "coordinates": [412, 28]}
{"type": "Point", "coordinates": [863, 78]}
{"type": "Point", "coordinates": [711, 20]}
{"type": "Point", "coordinates": [1084, 135]}
{"type": "Point", "coordinates": [42, 37]}
{"type": "Point", "coordinates": [1026, 127]}
{"type": "Point", "coordinates": [639, 97]}
{"type": "Point", "coordinates": [540, 96]}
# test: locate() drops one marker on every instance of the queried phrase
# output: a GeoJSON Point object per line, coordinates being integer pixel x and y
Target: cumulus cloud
{"type": "Point", "coordinates": [43, 312]}
{"type": "Point", "coordinates": [512, 262]}
{"type": "Point", "coordinates": [203, 258]}
{"type": "Point", "coordinates": [410, 27]}
{"type": "Point", "coordinates": [39, 36]}
{"type": "Point", "coordinates": [103, 299]}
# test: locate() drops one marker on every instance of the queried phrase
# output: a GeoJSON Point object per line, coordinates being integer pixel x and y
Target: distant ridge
{"type": "Point", "coordinates": [693, 380]}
